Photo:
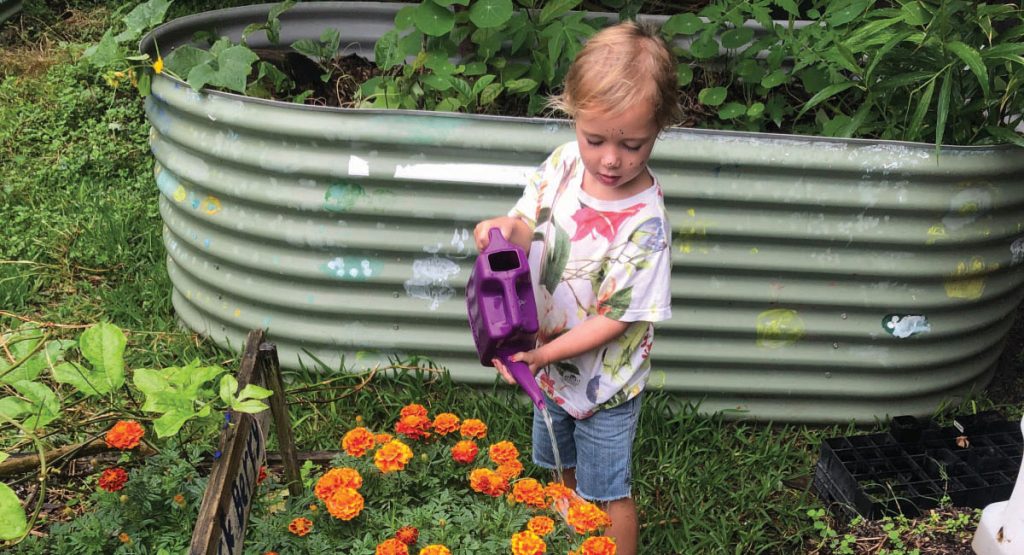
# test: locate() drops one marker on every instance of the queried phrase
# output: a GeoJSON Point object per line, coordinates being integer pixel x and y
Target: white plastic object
{"type": "Point", "coordinates": [1001, 528]}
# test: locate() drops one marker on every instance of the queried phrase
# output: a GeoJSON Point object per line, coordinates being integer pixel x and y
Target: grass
{"type": "Point", "coordinates": [81, 244]}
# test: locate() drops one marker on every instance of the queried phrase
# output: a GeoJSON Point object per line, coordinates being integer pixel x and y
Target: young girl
{"type": "Point", "coordinates": [599, 215]}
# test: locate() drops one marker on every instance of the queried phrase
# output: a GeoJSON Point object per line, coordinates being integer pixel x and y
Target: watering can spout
{"type": "Point", "coordinates": [1001, 528]}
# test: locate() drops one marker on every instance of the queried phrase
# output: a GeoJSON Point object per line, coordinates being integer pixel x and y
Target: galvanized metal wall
{"type": "Point", "coordinates": [814, 279]}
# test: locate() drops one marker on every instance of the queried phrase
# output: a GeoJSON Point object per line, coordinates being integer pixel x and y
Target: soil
{"type": "Point", "coordinates": [933, 539]}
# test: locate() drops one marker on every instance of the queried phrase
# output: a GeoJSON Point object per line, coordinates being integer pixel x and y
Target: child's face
{"type": "Point", "coordinates": [615, 150]}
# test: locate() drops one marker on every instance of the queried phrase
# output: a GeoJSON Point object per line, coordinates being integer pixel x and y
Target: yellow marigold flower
{"type": "Point", "coordinates": [413, 409]}
{"type": "Point", "coordinates": [510, 470]}
{"type": "Point", "coordinates": [464, 451]}
{"type": "Point", "coordinates": [598, 545]}
{"type": "Point", "coordinates": [487, 482]}
{"type": "Point", "coordinates": [529, 491]}
{"type": "Point", "coordinates": [541, 525]}
{"type": "Point", "coordinates": [527, 543]}
{"type": "Point", "coordinates": [503, 452]}
{"type": "Point", "coordinates": [345, 504]}
{"type": "Point", "coordinates": [300, 526]}
{"type": "Point", "coordinates": [335, 479]}
{"type": "Point", "coordinates": [382, 438]}
{"type": "Point", "coordinates": [158, 65]}
{"type": "Point", "coordinates": [587, 517]}
{"type": "Point", "coordinates": [435, 549]}
{"type": "Point", "coordinates": [358, 441]}
{"type": "Point", "coordinates": [394, 455]}
{"type": "Point", "coordinates": [126, 434]}
{"type": "Point", "coordinates": [471, 427]}
{"type": "Point", "coordinates": [413, 426]}
{"type": "Point", "coordinates": [446, 423]}
{"type": "Point", "coordinates": [392, 546]}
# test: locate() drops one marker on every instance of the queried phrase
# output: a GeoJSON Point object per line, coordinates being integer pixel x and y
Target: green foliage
{"type": "Point", "coordinates": [115, 55]}
{"type": "Point", "coordinates": [12, 517]}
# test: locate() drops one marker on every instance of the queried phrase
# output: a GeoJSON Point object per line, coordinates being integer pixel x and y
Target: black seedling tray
{"type": "Point", "coordinates": [909, 469]}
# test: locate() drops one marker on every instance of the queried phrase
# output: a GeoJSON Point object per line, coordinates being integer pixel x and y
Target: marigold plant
{"type": "Point", "coordinates": [465, 451]}
{"type": "Point", "coordinates": [300, 526]}
{"type": "Point", "coordinates": [113, 479]}
{"type": "Point", "coordinates": [487, 482]}
{"type": "Point", "coordinates": [446, 423]}
{"type": "Point", "coordinates": [503, 452]}
{"type": "Point", "coordinates": [344, 504]}
{"type": "Point", "coordinates": [413, 426]}
{"type": "Point", "coordinates": [510, 470]}
{"type": "Point", "coordinates": [587, 517]}
{"type": "Point", "coordinates": [435, 549]}
{"type": "Point", "coordinates": [529, 491]}
{"type": "Point", "coordinates": [598, 545]}
{"type": "Point", "coordinates": [527, 543]}
{"type": "Point", "coordinates": [408, 535]}
{"type": "Point", "coordinates": [541, 525]}
{"type": "Point", "coordinates": [413, 409]}
{"type": "Point", "coordinates": [358, 441]}
{"type": "Point", "coordinates": [473, 428]}
{"type": "Point", "coordinates": [126, 434]}
{"type": "Point", "coordinates": [393, 456]}
{"type": "Point", "coordinates": [392, 546]}
{"type": "Point", "coordinates": [337, 478]}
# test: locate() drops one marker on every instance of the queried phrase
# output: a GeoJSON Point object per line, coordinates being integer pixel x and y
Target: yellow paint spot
{"type": "Point", "coordinates": [237, 313]}
{"type": "Point", "coordinates": [685, 248]}
{"type": "Point", "coordinates": [657, 379]}
{"type": "Point", "coordinates": [211, 205]}
{"type": "Point", "coordinates": [966, 283]}
{"type": "Point", "coordinates": [754, 250]}
{"type": "Point", "coordinates": [180, 193]}
{"type": "Point", "coordinates": [779, 327]}
{"type": "Point", "coordinates": [691, 212]}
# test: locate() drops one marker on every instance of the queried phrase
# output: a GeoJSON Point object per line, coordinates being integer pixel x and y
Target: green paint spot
{"type": "Point", "coordinates": [342, 196]}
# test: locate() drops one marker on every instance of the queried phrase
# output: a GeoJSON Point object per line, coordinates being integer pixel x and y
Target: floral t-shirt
{"type": "Point", "coordinates": [596, 257]}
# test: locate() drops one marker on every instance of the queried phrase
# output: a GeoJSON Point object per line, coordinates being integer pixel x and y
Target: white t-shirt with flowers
{"type": "Point", "coordinates": [611, 258]}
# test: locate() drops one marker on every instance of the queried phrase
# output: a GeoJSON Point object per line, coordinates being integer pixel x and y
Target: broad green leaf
{"type": "Point", "coordinates": [13, 522]}
{"type": "Point", "coordinates": [684, 75]}
{"type": "Point", "coordinates": [845, 12]}
{"type": "Point", "coordinates": [44, 405]}
{"type": "Point", "coordinates": [103, 346]}
{"type": "Point", "coordinates": [253, 391]}
{"type": "Point", "coordinates": [251, 406]}
{"type": "Point", "coordinates": [386, 51]}
{"type": "Point", "coordinates": [914, 14]}
{"type": "Point", "coordinates": [169, 423]}
{"type": "Point", "coordinates": [448, 105]}
{"type": "Point", "coordinates": [755, 109]}
{"type": "Point", "coordinates": [735, 38]}
{"type": "Point", "coordinates": [13, 408]}
{"type": "Point", "coordinates": [432, 19]}
{"type": "Point", "coordinates": [868, 36]}
{"type": "Point", "coordinates": [438, 63]}
{"type": "Point", "coordinates": [705, 47]}
{"type": "Point", "coordinates": [750, 70]}
{"type": "Point", "coordinates": [556, 8]}
{"type": "Point", "coordinates": [683, 24]}
{"type": "Point", "coordinates": [186, 57]}
{"type": "Point", "coordinates": [475, 68]}
{"type": "Point", "coordinates": [403, 19]}
{"type": "Point", "coordinates": [788, 5]}
{"type": "Point", "coordinates": [813, 79]}
{"type": "Point", "coordinates": [437, 82]}
{"type": "Point", "coordinates": [774, 79]}
{"type": "Point", "coordinates": [732, 110]}
{"type": "Point", "coordinates": [145, 84]}
{"type": "Point", "coordinates": [925, 102]}
{"type": "Point", "coordinates": [711, 96]}
{"type": "Point", "coordinates": [942, 110]}
{"type": "Point", "coordinates": [825, 94]}
{"type": "Point", "coordinates": [490, 94]}
{"type": "Point", "coordinates": [482, 83]}
{"type": "Point", "coordinates": [29, 368]}
{"type": "Point", "coordinates": [4, 456]}
{"type": "Point", "coordinates": [105, 53]}
{"type": "Point", "coordinates": [971, 57]}
{"type": "Point", "coordinates": [490, 13]}
{"type": "Point", "coordinates": [1006, 135]}
{"type": "Point", "coordinates": [228, 387]}
{"type": "Point", "coordinates": [229, 70]}
{"type": "Point", "coordinates": [447, 3]}
{"type": "Point", "coordinates": [520, 85]}
{"type": "Point", "coordinates": [279, 9]}
{"type": "Point", "coordinates": [88, 382]}
{"type": "Point", "coordinates": [144, 17]}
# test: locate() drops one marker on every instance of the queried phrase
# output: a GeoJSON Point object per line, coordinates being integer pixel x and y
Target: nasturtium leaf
{"type": "Point", "coordinates": [432, 19]}
{"type": "Point", "coordinates": [750, 70]}
{"type": "Point", "coordinates": [735, 38]}
{"type": "Point", "coordinates": [447, 3]}
{"type": "Point", "coordinates": [490, 13]}
{"type": "Point", "coordinates": [13, 522]}
{"type": "Point", "coordinates": [711, 96]}
{"type": "Point", "coordinates": [732, 110]}
{"type": "Point", "coordinates": [755, 109]}
{"type": "Point", "coordinates": [774, 79]}
{"type": "Point", "coordinates": [403, 19]}
{"type": "Point", "coordinates": [684, 75]}
{"type": "Point", "coordinates": [704, 47]}
{"type": "Point", "coordinates": [439, 63]}
{"type": "Point", "coordinates": [683, 24]}
{"type": "Point", "coordinates": [103, 346]}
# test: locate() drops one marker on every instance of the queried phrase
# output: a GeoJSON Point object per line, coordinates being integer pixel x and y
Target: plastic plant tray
{"type": "Point", "coordinates": [909, 469]}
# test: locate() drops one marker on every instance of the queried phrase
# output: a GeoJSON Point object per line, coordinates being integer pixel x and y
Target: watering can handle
{"type": "Point", "coordinates": [495, 239]}
{"type": "Point", "coordinates": [521, 372]}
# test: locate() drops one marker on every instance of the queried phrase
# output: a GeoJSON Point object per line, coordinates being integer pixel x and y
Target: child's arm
{"type": "Point", "coordinates": [512, 228]}
{"type": "Point", "coordinates": [589, 335]}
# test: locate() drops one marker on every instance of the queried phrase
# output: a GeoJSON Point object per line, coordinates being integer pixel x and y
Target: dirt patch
{"type": "Point", "coordinates": [36, 39]}
{"type": "Point", "coordinates": [946, 531]}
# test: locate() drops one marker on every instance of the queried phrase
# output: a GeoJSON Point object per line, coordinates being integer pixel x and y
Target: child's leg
{"type": "Point", "coordinates": [625, 525]}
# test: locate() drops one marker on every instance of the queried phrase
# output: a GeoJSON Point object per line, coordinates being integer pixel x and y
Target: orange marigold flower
{"type": "Point", "coordinates": [598, 545]}
{"type": "Point", "coordinates": [471, 427]}
{"type": "Point", "coordinates": [300, 526]}
{"type": "Point", "coordinates": [408, 535]}
{"type": "Point", "coordinates": [464, 451]}
{"type": "Point", "coordinates": [556, 492]}
{"type": "Point", "coordinates": [487, 482]}
{"type": "Point", "coordinates": [413, 409]}
{"type": "Point", "coordinates": [510, 470]}
{"type": "Point", "coordinates": [392, 546]}
{"type": "Point", "coordinates": [344, 504]}
{"type": "Point", "coordinates": [446, 423]}
{"type": "Point", "coordinates": [358, 441]}
{"type": "Point", "coordinates": [335, 479]}
{"type": "Point", "coordinates": [394, 455]}
{"type": "Point", "coordinates": [527, 543]}
{"type": "Point", "coordinates": [270, 553]}
{"type": "Point", "coordinates": [124, 537]}
{"type": "Point", "coordinates": [529, 491]}
{"type": "Point", "coordinates": [125, 435]}
{"type": "Point", "coordinates": [541, 525]}
{"type": "Point", "coordinates": [435, 549]}
{"type": "Point", "coordinates": [587, 517]}
{"type": "Point", "coordinates": [179, 500]}
{"type": "Point", "coordinates": [413, 426]}
{"type": "Point", "coordinates": [113, 479]}
{"type": "Point", "coordinates": [382, 438]}
{"type": "Point", "coordinates": [503, 452]}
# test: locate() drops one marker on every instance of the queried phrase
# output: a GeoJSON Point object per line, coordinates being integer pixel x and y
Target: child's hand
{"type": "Point", "coordinates": [505, 224]}
{"type": "Point", "coordinates": [535, 359]}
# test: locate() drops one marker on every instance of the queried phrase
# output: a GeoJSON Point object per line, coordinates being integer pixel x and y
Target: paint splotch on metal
{"type": "Point", "coordinates": [814, 279]}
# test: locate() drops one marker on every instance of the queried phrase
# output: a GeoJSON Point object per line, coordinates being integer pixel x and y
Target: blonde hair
{"type": "Point", "coordinates": [620, 66]}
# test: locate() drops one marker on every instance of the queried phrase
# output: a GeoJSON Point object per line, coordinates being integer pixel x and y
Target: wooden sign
{"type": "Point", "coordinates": [224, 513]}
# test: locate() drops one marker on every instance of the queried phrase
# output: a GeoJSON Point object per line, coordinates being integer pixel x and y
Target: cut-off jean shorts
{"type": "Point", "coordinates": [600, 448]}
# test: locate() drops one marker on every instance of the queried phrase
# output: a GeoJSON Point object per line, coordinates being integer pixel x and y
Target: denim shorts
{"type": "Point", "coordinates": [600, 448]}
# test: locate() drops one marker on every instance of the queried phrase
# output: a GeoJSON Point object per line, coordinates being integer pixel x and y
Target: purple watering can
{"type": "Point", "coordinates": [502, 310]}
